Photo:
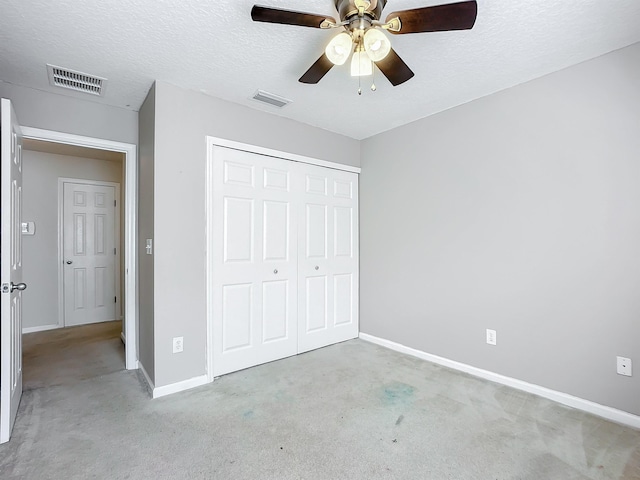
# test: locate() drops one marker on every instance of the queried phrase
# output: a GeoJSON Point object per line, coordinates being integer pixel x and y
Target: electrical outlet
{"type": "Point", "coordinates": [491, 337]}
{"type": "Point", "coordinates": [624, 366]}
{"type": "Point", "coordinates": [178, 344]}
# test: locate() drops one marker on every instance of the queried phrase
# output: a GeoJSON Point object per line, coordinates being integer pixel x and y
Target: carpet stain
{"type": "Point", "coordinates": [282, 396]}
{"type": "Point", "coordinates": [397, 393]}
{"type": "Point", "coordinates": [400, 419]}
{"type": "Point", "coordinates": [248, 414]}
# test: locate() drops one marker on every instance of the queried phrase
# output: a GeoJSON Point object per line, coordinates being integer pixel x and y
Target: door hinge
{"type": "Point", "coordinates": [114, 203]}
{"type": "Point", "coordinates": [115, 299]}
{"type": "Point", "coordinates": [114, 251]}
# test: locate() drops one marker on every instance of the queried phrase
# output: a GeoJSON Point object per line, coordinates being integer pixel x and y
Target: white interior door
{"type": "Point", "coordinates": [11, 270]}
{"type": "Point", "coordinates": [254, 261]}
{"type": "Point", "coordinates": [89, 253]}
{"type": "Point", "coordinates": [328, 258]}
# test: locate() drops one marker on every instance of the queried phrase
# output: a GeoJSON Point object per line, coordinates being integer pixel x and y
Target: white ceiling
{"type": "Point", "coordinates": [213, 46]}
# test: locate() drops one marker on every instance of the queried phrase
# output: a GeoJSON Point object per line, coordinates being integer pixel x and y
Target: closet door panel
{"type": "Point", "coordinates": [237, 316]}
{"type": "Point", "coordinates": [343, 298]}
{"type": "Point", "coordinates": [275, 307]}
{"type": "Point", "coordinates": [255, 261]}
{"type": "Point", "coordinates": [239, 220]}
{"type": "Point", "coordinates": [343, 231]}
{"type": "Point", "coordinates": [328, 258]}
{"type": "Point", "coordinates": [316, 304]}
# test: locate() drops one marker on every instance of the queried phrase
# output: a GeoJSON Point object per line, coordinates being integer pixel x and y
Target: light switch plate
{"type": "Point", "coordinates": [491, 337]}
{"type": "Point", "coordinates": [28, 228]}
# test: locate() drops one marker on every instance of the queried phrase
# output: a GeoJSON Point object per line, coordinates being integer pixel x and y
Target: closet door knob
{"type": "Point", "coordinates": [69, 262]}
{"type": "Point", "coordinates": [317, 267]}
{"type": "Point", "coordinates": [275, 271]}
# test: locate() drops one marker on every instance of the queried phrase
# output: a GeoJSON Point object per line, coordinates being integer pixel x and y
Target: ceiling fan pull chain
{"type": "Point", "coordinates": [359, 76]}
{"type": "Point", "coordinates": [373, 78]}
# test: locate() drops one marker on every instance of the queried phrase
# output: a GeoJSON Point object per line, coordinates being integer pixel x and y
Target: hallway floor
{"type": "Point", "coordinates": [69, 355]}
{"type": "Point", "coordinates": [350, 411]}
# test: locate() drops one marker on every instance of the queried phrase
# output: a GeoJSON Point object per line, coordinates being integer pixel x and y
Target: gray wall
{"type": "Point", "coordinates": [183, 120]}
{"type": "Point", "coordinates": [518, 212]}
{"type": "Point", "coordinates": [145, 230]}
{"type": "Point", "coordinates": [35, 108]}
{"type": "Point", "coordinates": [40, 205]}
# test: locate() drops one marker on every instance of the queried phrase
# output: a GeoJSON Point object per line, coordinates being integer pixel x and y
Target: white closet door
{"type": "Point", "coordinates": [255, 261]}
{"type": "Point", "coordinates": [327, 258]}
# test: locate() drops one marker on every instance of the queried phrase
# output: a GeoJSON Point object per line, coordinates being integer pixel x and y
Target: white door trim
{"type": "Point", "coordinates": [294, 157]}
{"type": "Point", "coordinates": [209, 258]}
{"type": "Point", "coordinates": [130, 152]}
{"type": "Point", "coordinates": [117, 267]}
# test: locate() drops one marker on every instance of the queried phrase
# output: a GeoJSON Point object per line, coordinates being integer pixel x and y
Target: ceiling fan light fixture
{"type": "Point", "coordinates": [360, 18]}
{"type": "Point", "coordinates": [361, 65]}
{"type": "Point", "coordinates": [339, 48]}
{"type": "Point", "coordinates": [376, 44]}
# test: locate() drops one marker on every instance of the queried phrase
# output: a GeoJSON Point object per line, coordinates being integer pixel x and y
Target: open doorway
{"type": "Point", "coordinates": [72, 213]}
{"type": "Point", "coordinates": [79, 252]}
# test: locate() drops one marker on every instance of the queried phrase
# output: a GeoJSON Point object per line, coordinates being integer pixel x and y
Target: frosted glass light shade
{"type": "Point", "coordinates": [361, 65]}
{"type": "Point", "coordinates": [339, 48]}
{"type": "Point", "coordinates": [376, 44]}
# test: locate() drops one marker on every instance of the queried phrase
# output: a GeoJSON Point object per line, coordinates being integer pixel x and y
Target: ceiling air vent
{"type": "Point", "coordinates": [78, 81]}
{"type": "Point", "coordinates": [271, 99]}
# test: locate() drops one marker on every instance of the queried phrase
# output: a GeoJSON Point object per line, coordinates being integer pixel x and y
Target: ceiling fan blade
{"type": "Point", "coordinates": [317, 70]}
{"type": "Point", "coordinates": [394, 68]}
{"type": "Point", "coordinates": [440, 18]}
{"type": "Point", "coordinates": [288, 17]}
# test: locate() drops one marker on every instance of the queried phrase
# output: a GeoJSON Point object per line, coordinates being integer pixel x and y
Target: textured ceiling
{"type": "Point", "coordinates": [214, 47]}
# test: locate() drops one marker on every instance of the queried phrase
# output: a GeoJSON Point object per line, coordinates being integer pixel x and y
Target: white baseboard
{"type": "Point", "coordinates": [146, 377]}
{"type": "Point", "coordinates": [40, 329]}
{"type": "Point", "coordinates": [603, 411]}
{"type": "Point", "coordinates": [180, 386]}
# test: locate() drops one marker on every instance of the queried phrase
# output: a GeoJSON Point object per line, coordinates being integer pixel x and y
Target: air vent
{"type": "Point", "coordinates": [78, 81]}
{"type": "Point", "coordinates": [271, 99]}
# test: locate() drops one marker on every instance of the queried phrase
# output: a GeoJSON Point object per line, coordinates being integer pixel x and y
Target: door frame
{"type": "Point", "coordinates": [210, 220]}
{"type": "Point", "coordinates": [118, 239]}
{"type": "Point", "coordinates": [130, 168]}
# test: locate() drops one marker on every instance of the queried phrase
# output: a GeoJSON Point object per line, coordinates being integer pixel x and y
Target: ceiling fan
{"type": "Point", "coordinates": [362, 33]}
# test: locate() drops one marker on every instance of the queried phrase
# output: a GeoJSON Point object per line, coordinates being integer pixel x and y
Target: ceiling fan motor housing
{"type": "Point", "coordinates": [348, 8]}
